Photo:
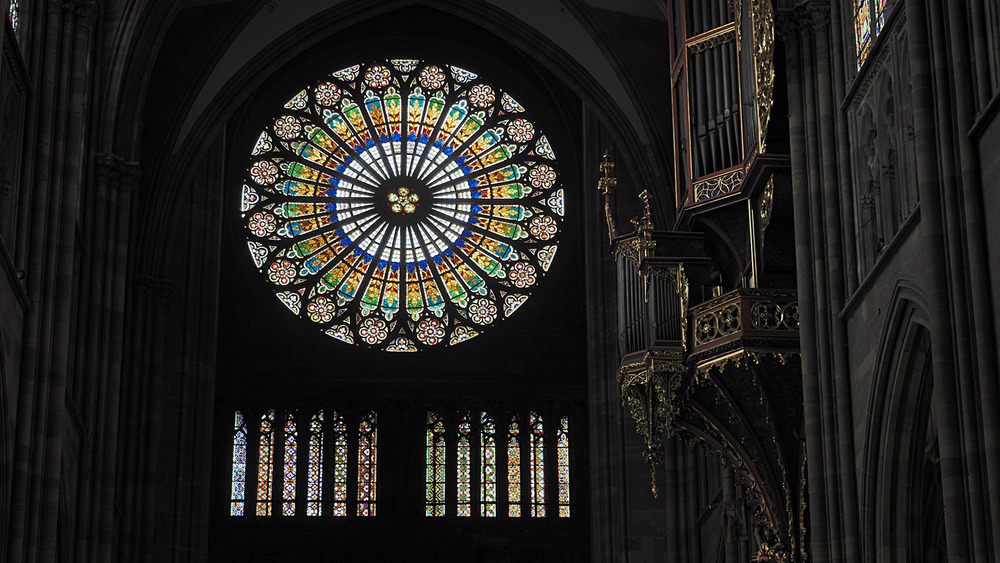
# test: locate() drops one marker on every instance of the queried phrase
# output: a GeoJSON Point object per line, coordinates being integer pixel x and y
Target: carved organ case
{"type": "Point", "coordinates": [708, 313]}
{"type": "Point", "coordinates": [729, 161]}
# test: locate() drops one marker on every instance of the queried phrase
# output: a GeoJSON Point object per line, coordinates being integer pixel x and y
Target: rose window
{"type": "Point", "coordinates": [402, 205]}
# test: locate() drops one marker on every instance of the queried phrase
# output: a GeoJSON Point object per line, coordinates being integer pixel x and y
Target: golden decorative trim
{"type": "Point", "coordinates": [675, 72]}
{"type": "Point", "coordinates": [772, 550]}
{"type": "Point", "coordinates": [737, 357]}
{"type": "Point", "coordinates": [629, 249]}
{"type": "Point", "coordinates": [762, 17]}
{"type": "Point", "coordinates": [640, 244]}
{"type": "Point", "coordinates": [767, 204]}
{"type": "Point", "coordinates": [717, 324]}
{"type": "Point", "coordinates": [644, 394]}
{"type": "Point", "coordinates": [721, 184]}
{"type": "Point", "coordinates": [720, 36]}
{"type": "Point", "coordinates": [768, 315]}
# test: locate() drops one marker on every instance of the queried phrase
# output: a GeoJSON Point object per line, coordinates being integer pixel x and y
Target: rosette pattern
{"type": "Point", "coordinates": [407, 204]}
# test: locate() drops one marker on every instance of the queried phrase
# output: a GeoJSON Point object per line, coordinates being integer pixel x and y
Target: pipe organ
{"type": "Point", "coordinates": [707, 311]}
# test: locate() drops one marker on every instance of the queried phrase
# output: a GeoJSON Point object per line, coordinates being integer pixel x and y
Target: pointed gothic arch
{"type": "Point", "coordinates": [901, 478]}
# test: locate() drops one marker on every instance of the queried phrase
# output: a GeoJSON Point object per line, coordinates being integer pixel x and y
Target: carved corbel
{"type": "Point", "coordinates": [644, 384]}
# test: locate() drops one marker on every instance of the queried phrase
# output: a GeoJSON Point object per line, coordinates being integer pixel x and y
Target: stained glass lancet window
{"type": "Point", "coordinates": [402, 204]}
{"type": "Point", "coordinates": [487, 466]}
{"type": "Point", "coordinates": [288, 481]}
{"type": "Point", "coordinates": [562, 454]}
{"type": "Point", "coordinates": [869, 19]}
{"type": "Point", "coordinates": [339, 465]}
{"type": "Point", "coordinates": [513, 469]}
{"type": "Point", "coordinates": [238, 493]}
{"type": "Point", "coordinates": [862, 29]}
{"type": "Point", "coordinates": [314, 486]}
{"type": "Point", "coordinates": [463, 494]}
{"type": "Point", "coordinates": [537, 465]}
{"type": "Point", "coordinates": [14, 14]}
{"type": "Point", "coordinates": [435, 465]}
{"type": "Point", "coordinates": [265, 464]}
{"type": "Point", "coordinates": [367, 464]}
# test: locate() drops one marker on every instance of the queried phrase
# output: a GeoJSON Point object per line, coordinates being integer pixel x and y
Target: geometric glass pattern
{"type": "Point", "coordinates": [869, 20]}
{"type": "Point", "coordinates": [402, 205]}
{"type": "Point", "coordinates": [513, 470]}
{"type": "Point", "coordinates": [487, 466]}
{"type": "Point", "coordinates": [367, 463]}
{"type": "Point", "coordinates": [314, 488]}
{"type": "Point", "coordinates": [339, 465]}
{"type": "Point", "coordinates": [435, 498]}
{"type": "Point", "coordinates": [537, 466]}
{"type": "Point", "coordinates": [265, 464]}
{"type": "Point", "coordinates": [281, 428]}
{"type": "Point", "coordinates": [562, 453]}
{"type": "Point", "coordinates": [14, 14]}
{"type": "Point", "coordinates": [464, 450]}
{"type": "Point", "coordinates": [879, 16]}
{"type": "Point", "coordinates": [862, 29]}
{"type": "Point", "coordinates": [288, 483]}
{"type": "Point", "coordinates": [239, 465]}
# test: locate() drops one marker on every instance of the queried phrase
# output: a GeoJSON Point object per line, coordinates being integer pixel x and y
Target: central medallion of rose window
{"type": "Point", "coordinates": [403, 200]}
{"type": "Point", "coordinates": [402, 205]}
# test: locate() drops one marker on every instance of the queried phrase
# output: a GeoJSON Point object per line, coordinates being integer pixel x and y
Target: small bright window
{"type": "Point", "coordinates": [435, 465]}
{"type": "Point", "coordinates": [265, 464]}
{"type": "Point", "coordinates": [367, 464]}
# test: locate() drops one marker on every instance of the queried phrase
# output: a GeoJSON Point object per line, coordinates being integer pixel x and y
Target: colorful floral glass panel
{"type": "Point", "coordinates": [435, 478]}
{"type": "Point", "coordinates": [288, 483]}
{"type": "Point", "coordinates": [879, 16]}
{"type": "Point", "coordinates": [562, 455]}
{"type": "Point", "coordinates": [487, 466]}
{"type": "Point", "coordinates": [367, 464]}
{"type": "Point", "coordinates": [402, 205]}
{"type": "Point", "coordinates": [265, 464]}
{"type": "Point", "coordinates": [464, 479]}
{"type": "Point", "coordinates": [862, 29]}
{"type": "Point", "coordinates": [537, 466]}
{"type": "Point", "coordinates": [513, 470]}
{"type": "Point", "coordinates": [339, 465]}
{"type": "Point", "coordinates": [314, 487]}
{"type": "Point", "coordinates": [238, 493]}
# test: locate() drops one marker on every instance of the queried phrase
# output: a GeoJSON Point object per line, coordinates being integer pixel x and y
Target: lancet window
{"type": "Point", "coordinates": [869, 19]}
{"type": "Point", "coordinates": [477, 457]}
{"type": "Point", "coordinates": [306, 459]}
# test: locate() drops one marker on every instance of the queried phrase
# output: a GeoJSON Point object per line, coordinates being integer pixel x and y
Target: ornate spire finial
{"type": "Point", "coordinates": [606, 185]}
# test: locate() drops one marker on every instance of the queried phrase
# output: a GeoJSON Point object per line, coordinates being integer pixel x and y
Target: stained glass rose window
{"type": "Point", "coordinates": [402, 204]}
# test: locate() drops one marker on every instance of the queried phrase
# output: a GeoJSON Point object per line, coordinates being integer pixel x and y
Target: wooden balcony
{"type": "Point", "coordinates": [744, 321]}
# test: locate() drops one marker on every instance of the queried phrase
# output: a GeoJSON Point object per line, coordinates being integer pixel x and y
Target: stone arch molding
{"type": "Point", "coordinates": [542, 29]}
{"type": "Point", "coordinates": [545, 22]}
{"type": "Point", "coordinates": [896, 428]}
